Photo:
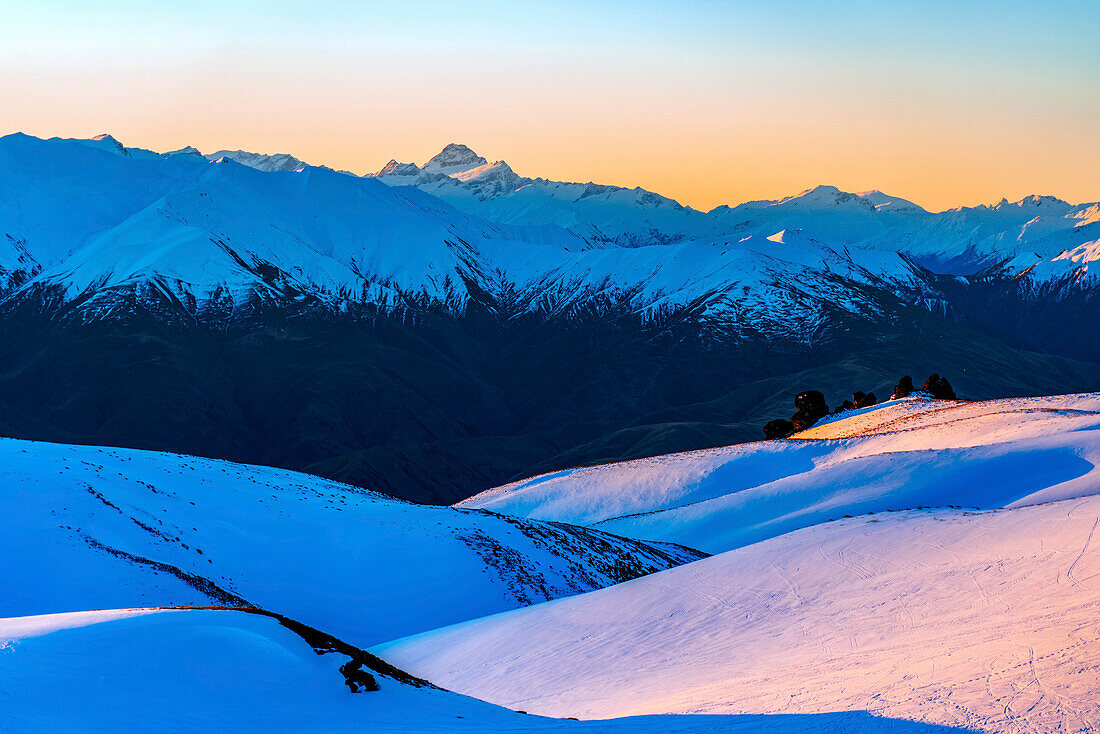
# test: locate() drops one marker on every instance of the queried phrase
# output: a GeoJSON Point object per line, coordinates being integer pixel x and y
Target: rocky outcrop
{"type": "Point", "coordinates": [846, 405]}
{"type": "Point", "coordinates": [861, 399]}
{"type": "Point", "coordinates": [778, 428]}
{"type": "Point", "coordinates": [903, 388]}
{"type": "Point", "coordinates": [938, 387]}
{"type": "Point", "coordinates": [810, 407]}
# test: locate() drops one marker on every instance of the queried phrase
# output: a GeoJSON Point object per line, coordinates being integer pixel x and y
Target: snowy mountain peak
{"type": "Point", "coordinates": [393, 168]}
{"type": "Point", "coordinates": [827, 196]}
{"type": "Point", "coordinates": [107, 142]}
{"type": "Point", "coordinates": [260, 161]}
{"type": "Point", "coordinates": [454, 158]}
{"type": "Point", "coordinates": [1036, 201]}
{"type": "Point", "coordinates": [885, 202]}
{"type": "Point", "coordinates": [189, 150]}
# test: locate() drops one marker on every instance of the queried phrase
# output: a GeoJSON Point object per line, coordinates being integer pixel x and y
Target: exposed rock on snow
{"type": "Point", "coordinates": [938, 387]}
{"type": "Point", "coordinates": [810, 406]}
{"type": "Point", "coordinates": [903, 388]}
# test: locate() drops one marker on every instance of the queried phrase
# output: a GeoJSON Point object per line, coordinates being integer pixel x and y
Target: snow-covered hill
{"type": "Point", "coordinates": [901, 454]}
{"type": "Point", "coordinates": [907, 620]}
{"type": "Point", "coordinates": [982, 620]}
{"type": "Point", "coordinates": [123, 671]}
{"type": "Point", "coordinates": [96, 528]}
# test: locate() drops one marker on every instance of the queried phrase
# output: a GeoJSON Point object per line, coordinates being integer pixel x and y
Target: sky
{"type": "Point", "coordinates": [945, 103]}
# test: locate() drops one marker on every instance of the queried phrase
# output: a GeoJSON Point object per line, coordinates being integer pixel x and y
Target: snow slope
{"type": "Point", "coordinates": [897, 455]}
{"type": "Point", "coordinates": [200, 670]}
{"type": "Point", "coordinates": [89, 528]}
{"type": "Point", "coordinates": [983, 620]}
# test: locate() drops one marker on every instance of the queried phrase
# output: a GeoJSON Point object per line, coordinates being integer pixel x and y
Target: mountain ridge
{"type": "Point", "coordinates": [338, 324]}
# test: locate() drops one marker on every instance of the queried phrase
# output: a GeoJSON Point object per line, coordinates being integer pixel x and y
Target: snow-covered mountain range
{"type": "Point", "coordinates": [959, 240]}
{"type": "Point", "coordinates": [93, 224]}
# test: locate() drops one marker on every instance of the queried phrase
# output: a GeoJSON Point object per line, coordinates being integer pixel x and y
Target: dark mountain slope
{"type": "Point", "coordinates": [441, 409]}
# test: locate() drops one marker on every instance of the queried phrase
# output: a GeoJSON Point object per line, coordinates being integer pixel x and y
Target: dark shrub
{"type": "Point", "coordinates": [778, 428]}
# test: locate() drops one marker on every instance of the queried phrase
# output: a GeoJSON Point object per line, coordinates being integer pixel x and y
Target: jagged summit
{"type": "Point", "coordinates": [393, 168]}
{"type": "Point", "coordinates": [454, 158]}
{"type": "Point", "coordinates": [260, 161]}
{"type": "Point", "coordinates": [1035, 201]}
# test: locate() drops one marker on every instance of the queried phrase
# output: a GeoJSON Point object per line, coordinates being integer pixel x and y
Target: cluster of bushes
{"type": "Point", "coordinates": [810, 405]}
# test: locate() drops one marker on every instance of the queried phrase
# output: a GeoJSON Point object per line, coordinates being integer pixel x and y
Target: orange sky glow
{"type": "Point", "coordinates": [709, 103]}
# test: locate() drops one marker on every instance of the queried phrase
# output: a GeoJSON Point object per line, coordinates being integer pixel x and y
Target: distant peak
{"type": "Point", "coordinates": [457, 151]}
{"type": "Point", "coordinates": [825, 196]}
{"type": "Point", "coordinates": [816, 193]}
{"type": "Point", "coordinates": [453, 158]}
{"type": "Point", "coordinates": [393, 168]}
{"type": "Point", "coordinates": [104, 141]}
{"type": "Point", "coordinates": [1035, 201]}
{"type": "Point", "coordinates": [189, 150]}
{"type": "Point", "coordinates": [885, 202]}
{"type": "Point", "coordinates": [262, 162]}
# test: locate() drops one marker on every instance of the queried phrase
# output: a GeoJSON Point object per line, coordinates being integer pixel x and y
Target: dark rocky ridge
{"type": "Point", "coordinates": [436, 406]}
